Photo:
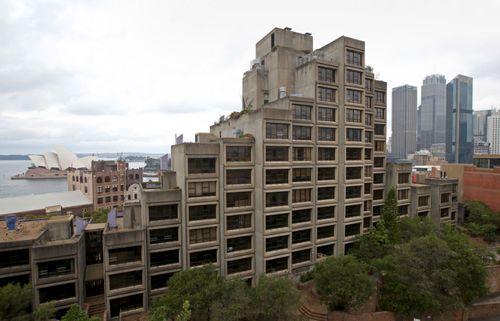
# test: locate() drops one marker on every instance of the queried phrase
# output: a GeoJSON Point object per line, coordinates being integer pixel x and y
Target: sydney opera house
{"type": "Point", "coordinates": [61, 159]}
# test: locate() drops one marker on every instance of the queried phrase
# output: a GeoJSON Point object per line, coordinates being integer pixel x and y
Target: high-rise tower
{"type": "Point", "coordinates": [404, 121]}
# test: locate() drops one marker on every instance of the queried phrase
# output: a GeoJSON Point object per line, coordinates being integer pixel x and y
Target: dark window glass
{"type": "Point", "coordinates": [326, 94]}
{"type": "Point", "coordinates": [301, 175]}
{"type": "Point", "coordinates": [324, 250]}
{"type": "Point", "coordinates": [379, 129]}
{"type": "Point", "coordinates": [163, 212]}
{"type": "Point", "coordinates": [301, 132]}
{"type": "Point", "coordinates": [326, 153]}
{"type": "Point", "coordinates": [378, 162]}
{"type": "Point", "coordinates": [164, 257]}
{"type": "Point", "coordinates": [353, 210]}
{"type": "Point", "coordinates": [352, 229]}
{"type": "Point", "coordinates": [301, 112]}
{"type": "Point", "coordinates": [14, 258]}
{"type": "Point", "coordinates": [378, 178]}
{"type": "Point", "coordinates": [354, 134]}
{"type": "Point", "coordinates": [379, 113]}
{"type": "Point", "coordinates": [403, 178]}
{"type": "Point", "coordinates": [325, 213]}
{"type": "Point", "coordinates": [276, 176]}
{"type": "Point", "coordinates": [378, 194]}
{"type": "Point", "coordinates": [354, 57]}
{"type": "Point", "coordinates": [160, 280]}
{"type": "Point", "coordinates": [56, 268]}
{"type": "Point", "coordinates": [123, 304]}
{"type": "Point", "coordinates": [275, 265]}
{"type": "Point", "coordinates": [353, 115]}
{"type": "Point", "coordinates": [326, 74]}
{"type": "Point", "coordinates": [302, 153]}
{"type": "Point", "coordinates": [276, 131]}
{"type": "Point", "coordinates": [325, 193]}
{"type": "Point", "coordinates": [202, 189]}
{"type": "Point", "coordinates": [276, 243]}
{"type": "Point", "coordinates": [202, 212]}
{"type": "Point", "coordinates": [326, 173]}
{"type": "Point", "coordinates": [239, 243]}
{"type": "Point", "coordinates": [301, 216]}
{"type": "Point", "coordinates": [57, 292]}
{"type": "Point", "coordinates": [238, 153]}
{"type": "Point", "coordinates": [301, 195]}
{"type": "Point", "coordinates": [326, 114]}
{"type": "Point", "coordinates": [369, 102]}
{"type": "Point", "coordinates": [238, 199]}
{"type": "Point", "coordinates": [276, 199]}
{"type": "Point", "coordinates": [326, 134]}
{"type": "Point", "coordinates": [125, 255]}
{"type": "Point", "coordinates": [380, 97]}
{"type": "Point", "coordinates": [354, 77]}
{"type": "Point", "coordinates": [241, 265]}
{"type": "Point", "coordinates": [323, 232]}
{"type": "Point", "coordinates": [169, 234]}
{"type": "Point", "coordinates": [201, 165]}
{"type": "Point", "coordinates": [238, 176]}
{"type": "Point", "coordinates": [354, 96]}
{"type": "Point", "coordinates": [276, 221]}
{"type": "Point", "coordinates": [124, 280]}
{"type": "Point", "coordinates": [353, 191]}
{"type": "Point", "coordinates": [235, 222]}
{"type": "Point", "coordinates": [353, 153]}
{"type": "Point", "coordinates": [276, 153]}
{"type": "Point", "coordinates": [301, 236]}
{"type": "Point", "coordinates": [301, 256]}
{"type": "Point", "coordinates": [353, 172]}
{"type": "Point", "coordinates": [203, 257]}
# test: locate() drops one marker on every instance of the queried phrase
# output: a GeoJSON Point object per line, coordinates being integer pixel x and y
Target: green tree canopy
{"type": "Point", "coordinates": [343, 283]}
{"type": "Point", "coordinates": [15, 302]}
{"type": "Point", "coordinates": [75, 313]}
{"type": "Point", "coordinates": [389, 218]}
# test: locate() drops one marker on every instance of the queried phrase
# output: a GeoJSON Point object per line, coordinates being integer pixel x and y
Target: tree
{"type": "Point", "coordinates": [480, 220]}
{"type": "Point", "coordinates": [233, 302]}
{"type": "Point", "coordinates": [274, 299]}
{"type": "Point", "coordinates": [75, 313]}
{"type": "Point", "coordinates": [44, 312]}
{"type": "Point", "coordinates": [414, 227]}
{"type": "Point", "coordinates": [389, 218]}
{"type": "Point", "coordinates": [185, 314]}
{"type": "Point", "coordinates": [343, 282]}
{"type": "Point", "coordinates": [426, 276]}
{"type": "Point", "coordinates": [373, 245]}
{"type": "Point", "coordinates": [200, 286]}
{"type": "Point", "coordinates": [15, 302]}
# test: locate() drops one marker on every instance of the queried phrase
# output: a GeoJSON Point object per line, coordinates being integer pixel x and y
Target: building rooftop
{"type": "Point", "coordinates": [26, 230]}
{"type": "Point", "coordinates": [29, 203]}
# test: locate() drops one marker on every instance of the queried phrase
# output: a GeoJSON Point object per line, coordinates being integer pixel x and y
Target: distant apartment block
{"type": "Point", "coordinates": [432, 111]}
{"type": "Point", "coordinates": [105, 183]}
{"type": "Point", "coordinates": [404, 121]}
{"type": "Point", "coordinates": [493, 133]}
{"type": "Point", "coordinates": [459, 132]}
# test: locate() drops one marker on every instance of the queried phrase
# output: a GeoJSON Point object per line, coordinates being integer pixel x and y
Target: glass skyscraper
{"type": "Point", "coordinates": [459, 138]}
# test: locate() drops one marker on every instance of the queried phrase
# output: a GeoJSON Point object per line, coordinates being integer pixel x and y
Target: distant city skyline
{"type": "Point", "coordinates": [404, 121]}
{"type": "Point", "coordinates": [98, 77]}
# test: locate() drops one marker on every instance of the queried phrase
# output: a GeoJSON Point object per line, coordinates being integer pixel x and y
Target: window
{"type": "Point", "coordinates": [302, 153]}
{"type": "Point", "coordinates": [277, 243]}
{"type": "Point", "coordinates": [326, 114]}
{"type": "Point", "coordinates": [164, 257]}
{"type": "Point", "coordinates": [353, 153]}
{"type": "Point", "coordinates": [368, 154]}
{"type": "Point", "coordinates": [163, 235]}
{"type": "Point", "coordinates": [301, 175]}
{"type": "Point", "coordinates": [403, 178]}
{"type": "Point", "coordinates": [301, 112]}
{"type": "Point", "coordinates": [301, 195]}
{"type": "Point", "coordinates": [203, 257]}
{"type": "Point", "coordinates": [368, 119]}
{"type": "Point", "coordinates": [276, 131]}
{"type": "Point", "coordinates": [238, 176]}
{"type": "Point", "coordinates": [368, 84]}
{"type": "Point", "coordinates": [325, 193]}
{"type": "Point", "coordinates": [202, 189]}
{"type": "Point", "coordinates": [124, 304]}
{"type": "Point", "coordinates": [277, 199]}
{"type": "Point", "coordinates": [202, 235]}
{"type": "Point", "coordinates": [236, 222]}
{"type": "Point", "coordinates": [159, 281]}
{"type": "Point", "coordinates": [238, 153]}
{"type": "Point", "coordinates": [367, 189]}
{"type": "Point", "coordinates": [367, 205]}
{"type": "Point", "coordinates": [326, 134]}
{"type": "Point", "coordinates": [445, 197]}
{"type": "Point", "coordinates": [354, 77]}
{"type": "Point", "coordinates": [377, 210]}
{"type": "Point", "coordinates": [354, 58]}
{"type": "Point", "coordinates": [301, 256]}
{"type": "Point", "coordinates": [241, 265]}
{"type": "Point", "coordinates": [125, 255]}
{"type": "Point", "coordinates": [379, 113]}
{"type": "Point", "coordinates": [56, 268]}
{"type": "Point", "coordinates": [368, 171]}
{"type": "Point", "coordinates": [238, 199]}
{"type": "Point", "coordinates": [354, 134]}
{"type": "Point", "coordinates": [202, 212]}
{"type": "Point", "coordinates": [353, 210]}
{"type": "Point", "coordinates": [378, 178]}
{"type": "Point", "coordinates": [354, 96]}
{"type": "Point", "coordinates": [445, 212]}
{"type": "Point", "coordinates": [326, 173]}
{"type": "Point", "coordinates": [379, 129]}
{"type": "Point", "coordinates": [352, 192]}
{"type": "Point", "coordinates": [326, 153]}
{"type": "Point", "coordinates": [239, 243]}
{"type": "Point", "coordinates": [201, 165]}
{"type": "Point", "coordinates": [123, 280]}
{"type": "Point", "coordinates": [326, 74]}
{"type": "Point", "coordinates": [301, 236]}
{"type": "Point", "coordinates": [278, 264]}
{"type": "Point", "coordinates": [325, 213]}
{"type": "Point", "coordinates": [368, 102]}
{"type": "Point", "coordinates": [276, 221]}
{"type": "Point", "coordinates": [326, 94]}
{"type": "Point", "coordinates": [378, 162]}
{"type": "Point", "coordinates": [324, 251]}
{"type": "Point", "coordinates": [301, 216]}
{"type": "Point", "coordinates": [57, 292]}
{"type": "Point", "coordinates": [368, 137]}
{"type": "Point", "coordinates": [352, 229]}
{"type": "Point", "coordinates": [276, 154]}
{"type": "Point", "coordinates": [379, 146]}
{"type": "Point", "coordinates": [301, 132]}
{"type": "Point", "coordinates": [403, 210]}
{"type": "Point", "coordinates": [378, 194]}
{"type": "Point", "coordinates": [403, 194]}
{"type": "Point", "coordinates": [353, 115]}
{"type": "Point", "coordinates": [380, 97]}
{"type": "Point", "coordinates": [353, 172]}
{"type": "Point", "coordinates": [276, 176]}
{"type": "Point", "coordinates": [324, 232]}
{"type": "Point", "coordinates": [423, 201]}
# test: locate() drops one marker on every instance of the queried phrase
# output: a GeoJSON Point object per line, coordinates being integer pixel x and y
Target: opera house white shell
{"type": "Point", "coordinates": [61, 159]}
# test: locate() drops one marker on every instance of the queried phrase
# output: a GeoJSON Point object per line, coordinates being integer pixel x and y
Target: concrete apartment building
{"type": "Point", "coordinates": [404, 121]}
{"type": "Point", "coordinates": [105, 183]}
{"type": "Point", "coordinates": [432, 111]}
{"type": "Point", "coordinates": [493, 133]}
{"type": "Point", "coordinates": [459, 128]}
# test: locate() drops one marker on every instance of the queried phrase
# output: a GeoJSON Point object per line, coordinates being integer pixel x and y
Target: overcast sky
{"type": "Point", "coordinates": [111, 76]}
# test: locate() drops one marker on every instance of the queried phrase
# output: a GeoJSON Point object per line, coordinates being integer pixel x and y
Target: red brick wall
{"type": "Point", "coordinates": [483, 185]}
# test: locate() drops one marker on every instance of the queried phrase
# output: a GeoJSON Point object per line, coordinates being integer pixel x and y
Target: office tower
{"type": "Point", "coordinates": [419, 127]}
{"type": "Point", "coordinates": [479, 124]}
{"type": "Point", "coordinates": [493, 133]}
{"type": "Point", "coordinates": [432, 111]}
{"type": "Point", "coordinates": [459, 143]}
{"type": "Point", "coordinates": [404, 121]}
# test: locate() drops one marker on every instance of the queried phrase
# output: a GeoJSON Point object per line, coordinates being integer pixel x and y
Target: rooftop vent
{"type": "Point", "coordinates": [11, 222]}
{"type": "Point", "coordinates": [308, 34]}
{"type": "Point", "coordinates": [288, 28]}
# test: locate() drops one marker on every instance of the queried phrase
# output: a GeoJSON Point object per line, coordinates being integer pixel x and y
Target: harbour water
{"type": "Point", "coordinates": [9, 188]}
